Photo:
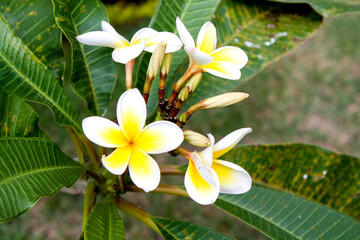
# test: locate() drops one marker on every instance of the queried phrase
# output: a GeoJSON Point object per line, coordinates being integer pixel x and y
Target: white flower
{"type": "Point", "coordinates": [224, 62]}
{"type": "Point", "coordinates": [145, 39]}
{"type": "Point", "coordinates": [132, 141]}
{"type": "Point", "coordinates": [207, 176]}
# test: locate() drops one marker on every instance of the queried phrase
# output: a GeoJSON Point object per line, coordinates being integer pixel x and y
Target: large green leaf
{"type": "Point", "coordinates": [329, 7]}
{"type": "Point", "coordinates": [312, 172]}
{"type": "Point", "coordinates": [93, 70]}
{"type": "Point", "coordinates": [29, 169]}
{"type": "Point", "coordinates": [17, 119]}
{"type": "Point", "coordinates": [174, 229]}
{"type": "Point", "coordinates": [285, 216]}
{"type": "Point", "coordinates": [23, 74]}
{"type": "Point", "coordinates": [193, 13]}
{"type": "Point", "coordinates": [265, 31]}
{"type": "Point", "coordinates": [34, 22]}
{"type": "Point", "coordinates": [104, 222]}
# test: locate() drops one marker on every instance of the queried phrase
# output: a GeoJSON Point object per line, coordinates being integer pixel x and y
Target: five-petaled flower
{"type": "Point", "coordinates": [224, 62]}
{"type": "Point", "coordinates": [145, 39]}
{"type": "Point", "coordinates": [132, 141]}
{"type": "Point", "coordinates": [207, 176]}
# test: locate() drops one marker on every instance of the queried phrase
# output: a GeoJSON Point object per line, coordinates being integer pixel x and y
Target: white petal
{"type": "Point", "coordinates": [125, 54]}
{"type": "Point", "coordinates": [199, 57]}
{"type": "Point", "coordinates": [131, 113]}
{"type": "Point", "coordinates": [207, 154]}
{"type": "Point", "coordinates": [117, 161]}
{"type": "Point", "coordinates": [223, 69]}
{"type": "Point", "coordinates": [173, 42]}
{"type": "Point", "coordinates": [206, 40]}
{"type": "Point", "coordinates": [203, 169]}
{"type": "Point", "coordinates": [143, 33]}
{"type": "Point", "coordinates": [159, 137]}
{"type": "Point", "coordinates": [198, 189]}
{"type": "Point", "coordinates": [230, 54]}
{"type": "Point", "coordinates": [100, 38]}
{"type": "Point", "coordinates": [184, 34]}
{"type": "Point", "coordinates": [108, 28]}
{"type": "Point", "coordinates": [233, 178]}
{"type": "Point", "coordinates": [103, 132]}
{"type": "Point", "coordinates": [144, 171]}
{"type": "Point", "coordinates": [229, 141]}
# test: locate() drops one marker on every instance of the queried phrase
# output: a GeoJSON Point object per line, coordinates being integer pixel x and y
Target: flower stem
{"type": "Point", "coordinates": [129, 70]}
{"type": "Point", "coordinates": [162, 188]}
{"type": "Point", "coordinates": [181, 151]}
{"type": "Point", "coordinates": [170, 170]}
{"type": "Point", "coordinates": [122, 183]}
{"type": "Point", "coordinates": [136, 212]}
{"type": "Point", "coordinates": [187, 75]}
{"type": "Point", "coordinates": [94, 176]}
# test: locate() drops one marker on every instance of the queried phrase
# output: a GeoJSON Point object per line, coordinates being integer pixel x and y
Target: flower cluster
{"type": "Point", "coordinates": [206, 175]}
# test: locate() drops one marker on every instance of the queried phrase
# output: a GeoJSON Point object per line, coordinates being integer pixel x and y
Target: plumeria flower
{"type": "Point", "coordinates": [207, 175]}
{"type": "Point", "coordinates": [224, 62]}
{"type": "Point", "coordinates": [145, 39]}
{"type": "Point", "coordinates": [132, 141]}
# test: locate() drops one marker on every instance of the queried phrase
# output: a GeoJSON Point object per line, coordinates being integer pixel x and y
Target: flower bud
{"type": "Point", "coordinates": [184, 94]}
{"type": "Point", "coordinates": [194, 81]}
{"type": "Point", "coordinates": [190, 86]}
{"type": "Point", "coordinates": [166, 63]}
{"type": "Point", "coordinates": [223, 100]}
{"type": "Point", "coordinates": [155, 61]}
{"type": "Point", "coordinates": [196, 139]}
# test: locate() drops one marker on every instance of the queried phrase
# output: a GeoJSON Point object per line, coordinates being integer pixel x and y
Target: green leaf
{"type": "Point", "coordinates": [93, 70]}
{"type": "Point", "coordinates": [329, 7]}
{"type": "Point", "coordinates": [104, 222]}
{"type": "Point", "coordinates": [174, 229]}
{"type": "Point", "coordinates": [24, 75]}
{"type": "Point", "coordinates": [193, 13]}
{"type": "Point", "coordinates": [312, 172]}
{"type": "Point", "coordinates": [29, 169]}
{"type": "Point", "coordinates": [34, 22]}
{"type": "Point", "coordinates": [17, 119]}
{"type": "Point", "coordinates": [265, 31]}
{"type": "Point", "coordinates": [285, 216]}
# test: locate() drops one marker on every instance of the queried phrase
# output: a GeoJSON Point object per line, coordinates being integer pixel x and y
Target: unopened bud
{"type": "Point", "coordinates": [156, 60]}
{"type": "Point", "coordinates": [194, 81]}
{"type": "Point", "coordinates": [184, 94]}
{"type": "Point", "coordinates": [196, 139]}
{"type": "Point", "coordinates": [190, 86]}
{"type": "Point", "coordinates": [166, 63]}
{"type": "Point", "coordinates": [154, 67]}
{"type": "Point", "coordinates": [184, 117]}
{"type": "Point", "coordinates": [223, 100]}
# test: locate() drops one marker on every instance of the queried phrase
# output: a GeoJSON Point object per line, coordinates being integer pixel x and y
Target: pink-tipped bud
{"type": "Point", "coordinates": [194, 81]}
{"type": "Point", "coordinates": [196, 139]}
{"type": "Point", "coordinates": [223, 100]}
{"type": "Point", "coordinates": [156, 60]}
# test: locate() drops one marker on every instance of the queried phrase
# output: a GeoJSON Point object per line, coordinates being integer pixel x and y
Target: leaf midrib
{"type": "Point", "coordinates": [33, 172]}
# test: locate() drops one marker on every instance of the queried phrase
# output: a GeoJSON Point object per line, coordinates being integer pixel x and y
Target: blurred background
{"type": "Point", "coordinates": [312, 95]}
